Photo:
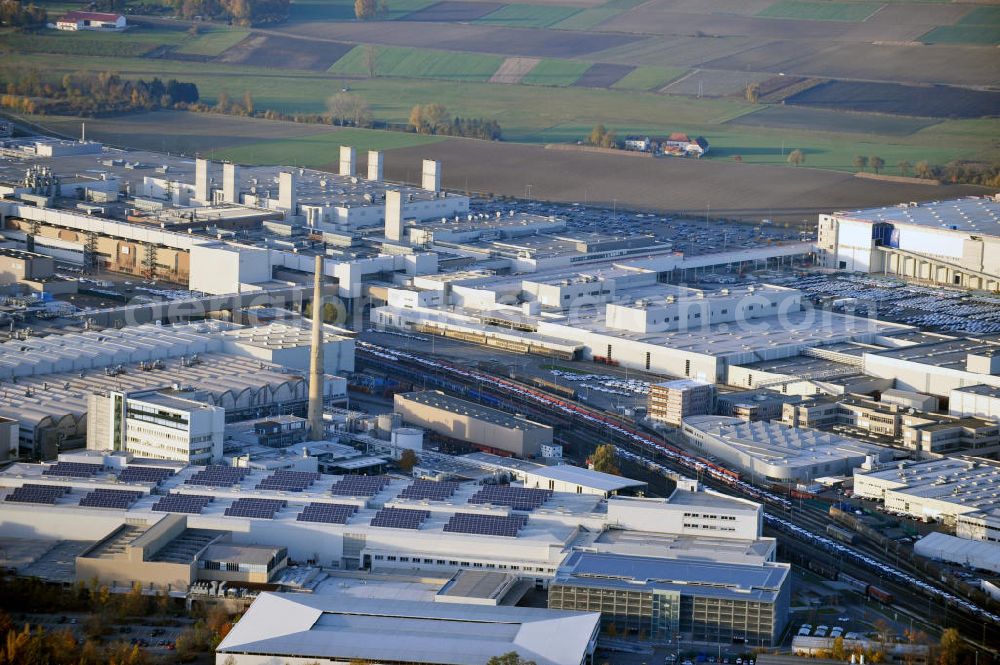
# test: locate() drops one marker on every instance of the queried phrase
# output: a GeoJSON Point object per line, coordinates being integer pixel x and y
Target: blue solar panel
{"type": "Point", "coordinates": [182, 503]}
{"type": "Point", "coordinates": [400, 518]}
{"type": "Point", "coordinates": [144, 474]}
{"type": "Point", "coordinates": [359, 485]}
{"type": "Point", "coordinates": [35, 493]}
{"type": "Point", "coordinates": [289, 481]}
{"type": "Point", "coordinates": [218, 476]}
{"type": "Point", "coordinates": [73, 469]}
{"type": "Point", "coordinates": [486, 525]}
{"type": "Point", "coordinates": [429, 489]}
{"type": "Point", "coordinates": [328, 513]}
{"type": "Point", "coordinates": [259, 508]}
{"type": "Point", "coordinates": [105, 498]}
{"type": "Point", "coordinates": [518, 498]}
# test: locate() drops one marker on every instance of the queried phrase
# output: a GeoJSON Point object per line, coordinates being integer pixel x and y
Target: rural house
{"type": "Point", "coordinates": [91, 21]}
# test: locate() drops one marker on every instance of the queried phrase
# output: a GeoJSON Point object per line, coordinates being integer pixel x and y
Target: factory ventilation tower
{"type": "Point", "coordinates": [316, 358]}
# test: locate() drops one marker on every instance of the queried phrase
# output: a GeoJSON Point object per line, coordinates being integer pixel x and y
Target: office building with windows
{"type": "Point", "coordinates": [156, 425]}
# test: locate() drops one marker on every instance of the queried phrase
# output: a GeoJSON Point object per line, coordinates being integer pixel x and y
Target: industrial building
{"type": "Point", "coordinates": [662, 598]}
{"type": "Point", "coordinates": [330, 629]}
{"type": "Point", "coordinates": [559, 477]}
{"type": "Point", "coordinates": [156, 424]}
{"type": "Point", "coordinates": [476, 424]}
{"type": "Point", "coordinates": [954, 243]}
{"type": "Point", "coordinates": [34, 271]}
{"type": "Point", "coordinates": [168, 555]}
{"type": "Point", "coordinates": [671, 401]}
{"type": "Point", "coordinates": [956, 492]}
{"type": "Point", "coordinates": [895, 421]}
{"type": "Point", "coordinates": [938, 367]}
{"type": "Point", "coordinates": [53, 377]}
{"type": "Point", "coordinates": [982, 401]}
{"type": "Point", "coordinates": [774, 452]}
{"type": "Point", "coordinates": [942, 547]}
{"type": "Point", "coordinates": [385, 524]}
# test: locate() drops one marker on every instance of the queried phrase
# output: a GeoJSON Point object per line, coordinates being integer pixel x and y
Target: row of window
{"type": "Point", "coordinates": [463, 564]}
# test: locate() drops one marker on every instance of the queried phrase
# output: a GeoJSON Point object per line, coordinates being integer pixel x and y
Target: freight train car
{"type": "Point", "coordinates": [853, 582]}
{"type": "Point", "coordinates": [843, 535]}
{"type": "Point", "coordinates": [824, 569]}
{"type": "Point", "coordinates": [880, 595]}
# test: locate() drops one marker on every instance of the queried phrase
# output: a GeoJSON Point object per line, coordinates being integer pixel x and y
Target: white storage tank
{"type": "Point", "coordinates": [407, 437]}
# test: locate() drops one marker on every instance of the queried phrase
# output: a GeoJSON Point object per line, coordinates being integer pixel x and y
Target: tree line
{"type": "Point", "coordinates": [239, 12]}
{"type": "Point", "coordinates": [28, 645]}
{"type": "Point", "coordinates": [15, 14]}
{"type": "Point", "coordinates": [435, 119]}
{"type": "Point", "coordinates": [88, 94]}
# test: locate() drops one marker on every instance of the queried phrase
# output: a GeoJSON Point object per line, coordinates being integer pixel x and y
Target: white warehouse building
{"type": "Point", "coordinates": [947, 242]}
{"type": "Point", "coordinates": [775, 452]}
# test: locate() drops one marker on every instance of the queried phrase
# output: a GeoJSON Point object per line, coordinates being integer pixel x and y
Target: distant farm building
{"type": "Point", "coordinates": [91, 21]}
{"type": "Point", "coordinates": [677, 145]}
{"type": "Point", "coordinates": [682, 145]}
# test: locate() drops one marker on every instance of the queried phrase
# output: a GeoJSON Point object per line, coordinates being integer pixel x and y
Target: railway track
{"type": "Point", "coordinates": [657, 455]}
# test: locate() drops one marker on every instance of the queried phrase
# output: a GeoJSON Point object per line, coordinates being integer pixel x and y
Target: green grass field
{"type": "Point", "coordinates": [343, 10]}
{"type": "Point", "coordinates": [982, 16]}
{"type": "Point", "coordinates": [319, 150]}
{"type": "Point", "coordinates": [213, 42]}
{"type": "Point", "coordinates": [821, 11]}
{"type": "Point", "coordinates": [587, 18]}
{"type": "Point", "coordinates": [534, 114]}
{"type": "Point", "coordinates": [405, 62]}
{"type": "Point", "coordinates": [555, 72]}
{"type": "Point", "coordinates": [647, 78]}
{"type": "Point", "coordinates": [528, 16]}
{"type": "Point", "coordinates": [963, 34]}
{"type": "Point", "coordinates": [132, 43]}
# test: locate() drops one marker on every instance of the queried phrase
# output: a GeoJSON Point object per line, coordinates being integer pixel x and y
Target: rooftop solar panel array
{"type": "Point", "coordinates": [183, 503]}
{"type": "Point", "coordinates": [327, 513]}
{"type": "Point", "coordinates": [259, 508]}
{"type": "Point", "coordinates": [518, 498]}
{"type": "Point", "coordinates": [217, 475]}
{"type": "Point", "coordinates": [429, 489]}
{"type": "Point", "coordinates": [144, 474]}
{"type": "Point", "coordinates": [486, 525]}
{"type": "Point", "coordinates": [105, 498]}
{"type": "Point", "coordinates": [73, 469]}
{"type": "Point", "coordinates": [289, 481]}
{"type": "Point", "coordinates": [359, 485]}
{"type": "Point", "coordinates": [400, 518]}
{"type": "Point", "coordinates": [35, 493]}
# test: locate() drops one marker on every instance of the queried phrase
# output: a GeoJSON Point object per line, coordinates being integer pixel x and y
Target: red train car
{"type": "Point", "coordinates": [880, 595]}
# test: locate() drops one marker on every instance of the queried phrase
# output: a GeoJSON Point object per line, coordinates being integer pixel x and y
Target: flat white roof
{"type": "Point", "coordinates": [588, 477]}
{"type": "Point", "coordinates": [776, 443]}
{"type": "Point", "coordinates": [330, 626]}
{"type": "Point", "coordinates": [980, 215]}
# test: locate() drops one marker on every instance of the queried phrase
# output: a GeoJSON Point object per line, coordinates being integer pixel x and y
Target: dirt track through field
{"type": "Point", "coordinates": [513, 70]}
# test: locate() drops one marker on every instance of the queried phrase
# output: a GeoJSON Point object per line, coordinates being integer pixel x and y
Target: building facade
{"type": "Point", "coordinates": [731, 604]}
{"type": "Point", "coordinates": [156, 425]}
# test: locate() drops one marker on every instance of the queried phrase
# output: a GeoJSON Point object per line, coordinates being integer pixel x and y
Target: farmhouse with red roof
{"type": "Point", "coordinates": [91, 21]}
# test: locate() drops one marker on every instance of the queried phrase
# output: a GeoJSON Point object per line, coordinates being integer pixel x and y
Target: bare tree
{"type": "Point", "coordinates": [904, 167]}
{"type": "Point", "coordinates": [876, 163]}
{"type": "Point", "coordinates": [860, 162]}
{"type": "Point", "coordinates": [796, 157]}
{"type": "Point", "coordinates": [349, 109]}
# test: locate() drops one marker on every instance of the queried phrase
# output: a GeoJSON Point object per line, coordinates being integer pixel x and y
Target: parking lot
{"type": "Point", "coordinates": [934, 308]}
{"type": "Point", "coordinates": [687, 235]}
